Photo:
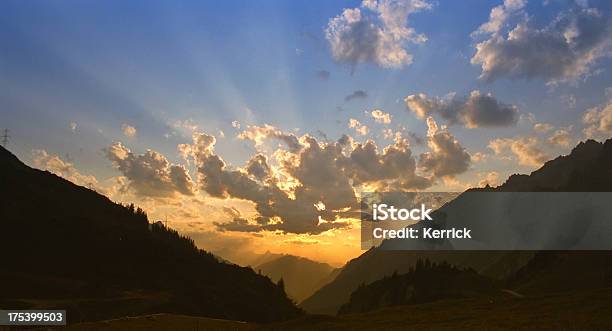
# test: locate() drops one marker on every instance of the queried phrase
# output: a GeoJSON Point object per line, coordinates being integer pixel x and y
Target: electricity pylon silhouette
{"type": "Point", "coordinates": [5, 138]}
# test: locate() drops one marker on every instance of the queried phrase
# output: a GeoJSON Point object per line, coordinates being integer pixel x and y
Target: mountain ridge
{"type": "Point", "coordinates": [587, 168]}
{"type": "Point", "coordinates": [302, 276]}
{"type": "Point", "coordinates": [99, 259]}
{"type": "Point", "coordinates": [426, 282]}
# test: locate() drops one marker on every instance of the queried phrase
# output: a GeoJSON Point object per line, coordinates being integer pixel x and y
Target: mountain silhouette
{"type": "Point", "coordinates": [562, 271]}
{"type": "Point", "coordinates": [588, 168]}
{"type": "Point", "coordinates": [302, 277]}
{"type": "Point", "coordinates": [259, 259]}
{"type": "Point", "coordinates": [426, 282]}
{"type": "Point", "coordinates": [67, 247]}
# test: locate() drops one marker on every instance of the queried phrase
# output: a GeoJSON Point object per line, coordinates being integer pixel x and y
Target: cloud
{"type": "Point", "coordinates": [359, 128]}
{"type": "Point", "coordinates": [235, 124]}
{"type": "Point", "coordinates": [276, 208]}
{"type": "Point", "coordinates": [128, 130]}
{"type": "Point", "coordinates": [67, 170]}
{"type": "Point", "coordinates": [500, 15]}
{"type": "Point", "coordinates": [388, 133]}
{"type": "Point", "coordinates": [258, 134]}
{"type": "Point", "coordinates": [598, 121]}
{"type": "Point", "coordinates": [345, 140]}
{"type": "Point", "coordinates": [187, 126]}
{"type": "Point", "coordinates": [380, 116]}
{"type": "Point", "coordinates": [393, 168]}
{"type": "Point", "coordinates": [258, 167]}
{"type": "Point", "coordinates": [474, 111]}
{"type": "Point", "coordinates": [323, 74]}
{"type": "Point", "coordinates": [564, 50]}
{"type": "Point", "coordinates": [542, 127]}
{"type": "Point", "coordinates": [150, 174]}
{"type": "Point", "coordinates": [447, 157]}
{"type": "Point", "coordinates": [490, 179]}
{"type": "Point", "coordinates": [569, 100]}
{"type": "Point", "coordinates": [307, 191]}
{"type": "Point", "coordinates": [238, 224]}
{"type": "Point", "coordinates": [312, 189]}
{"type": "Point", "coordinates": [301, 241]}
{"type": "Point", "coordinates": [62, 168]}
{"type": "Point", "coordinates": [525, 149]}
{"type": "Point", "coordinates": [322, 135]}
{"type": "Point", "coordinates": [561, 137]}
{"type": "Point", "coordinates": [358, 94]}
{"type": "Point", "coordinates": [377, 32]}
{"type": "Point", "coordinates": [528, 119]}
{"type": "Point", "coordinates": [478, 157]}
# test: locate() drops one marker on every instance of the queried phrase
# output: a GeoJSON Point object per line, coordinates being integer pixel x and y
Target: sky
{"type": "Point", "coordinates": [253, 126]}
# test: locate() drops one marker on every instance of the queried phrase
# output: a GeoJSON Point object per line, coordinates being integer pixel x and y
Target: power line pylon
{"type": "Point", "coordinates": [5, 138]}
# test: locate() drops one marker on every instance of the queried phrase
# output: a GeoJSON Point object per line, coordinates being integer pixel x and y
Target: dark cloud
{"type": "Point", "coordinates": [447, 157]}
{"type": "Point", "coordinates": [322, 135]}
{"type": "Point", "coordinates": [258, 167]}
{"type": "Point", "coordinates": [345, 140]}
{"type": "Point", "coordinates": [323, 74]}
{"type": "Point", "coordinates": [239, 225]}
{"type": "Point", "coordinates": [394, 168]}
{"type": "Point", "coordinates": [474, 111]}
{"type": "Point", "coordinates": [359, 94]}
{"type": "Point", "coordinates": [150, 174]}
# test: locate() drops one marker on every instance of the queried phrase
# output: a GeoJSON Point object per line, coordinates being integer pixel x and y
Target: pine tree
{"type": "Point", "coordinates": [281, 284]}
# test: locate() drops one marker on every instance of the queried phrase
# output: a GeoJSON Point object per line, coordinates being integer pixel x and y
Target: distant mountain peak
{"type": "Point", "coordinates": [302, 276]}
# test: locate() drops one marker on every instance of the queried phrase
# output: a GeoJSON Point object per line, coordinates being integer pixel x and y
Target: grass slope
{"type": "Point", "coordinates": [503, 312]}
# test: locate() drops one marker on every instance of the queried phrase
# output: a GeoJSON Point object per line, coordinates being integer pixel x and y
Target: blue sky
{"type": "Point", "coordinates": [102, 65]}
